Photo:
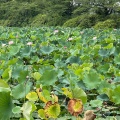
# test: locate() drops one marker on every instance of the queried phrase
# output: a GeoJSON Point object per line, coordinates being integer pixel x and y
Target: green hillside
{"type": "Point", "coordinates": [76, 13]}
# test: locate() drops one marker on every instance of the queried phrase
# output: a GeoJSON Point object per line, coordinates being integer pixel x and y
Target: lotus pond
{"type": "Point", "coordinates": [58, 73]}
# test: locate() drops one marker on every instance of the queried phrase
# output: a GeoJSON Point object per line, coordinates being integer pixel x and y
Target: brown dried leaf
{"type": "Point", "coordinates": [75, 107]}
{"type": "Point", "coordinates": [89, 115]}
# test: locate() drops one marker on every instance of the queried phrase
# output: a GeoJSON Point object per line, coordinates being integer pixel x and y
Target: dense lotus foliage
{"type": "Point", "coordinates": [43, 69]}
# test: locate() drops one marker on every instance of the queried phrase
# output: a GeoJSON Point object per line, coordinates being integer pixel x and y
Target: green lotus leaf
{"type": "Point", "coordinates": [21, 90]}
{"type": "Point", "coordinates": [26, 110]}
{"type": "Point", "coordinates": [47, 49]}
{"type": "Point", "coordinates": [117, 50]}
{"type": "Point", "coordinates": [16, 71]}
{"type": "Point", "coordinates": [23, 75]}
{"type": "Point", "coordinates": [59, 64]}
{"type": "Point", "coordinates": [74, 52]}
{"type": "Point", "coordinates": [108, 92]}
{"type": "Point", "coordinates": [116, 95]}
{"type": "Point", "coordinates": [26, 51]}
{"type": "Point", "coordinates": [92, 79]}
{"type": "Point", "coordinates": [33, 107]}
{"type": "Point", "coordinates": [6, 75]}
{"type": "Point", "coordinates": [34, 59]}
{"type": "Point", "coordinates": [49, 77]}
{"type": "Point", "coordinates": [73, 59]}
{"type": "Point", "coordinates": [117, 79]}
{"type": "Point", "coordinates": [41, 114]}
{"type": "Point", "coordinates": [104, 68]}
{"type": "Point", "coordinates": [33, 37]}
{"type": "Point", "coordinates": [79, 70]}
{"type": "Point", "coordinates": [103, 85]}
{"type": "Point", "coordinates": [109, 46]}
{"type": "Point", "coordinates": [103, 52]}
{"type": "Point", "coordinates": [78, 93]}
{"type": "Point", "coordinates": [67, 92]}
{"type": "Point", "coordinates": [12, 61]}
{"type": "Point", "coordinates": [32, 96]}
{"type": "Point", "coordinates": [110, 39]}
{"type": "Point", "coordinates": [103, 97]}
{"type": "Point", "coordinates": [46, 93]}
{"type": "Point", "coordinates": [116, 72]}
{"type": "Point", "coordinates": [96, 103]}
{"type": "Point", "coordinates": [16, 109]}
{"type": "Point", "coordinates": [112, 51]}
{"type": "Point", "coordinates": [85, 58]}
{"type": "Point", "coordinates": [5, 105]}
{"type": "Point", "coordinates": [60, 73]}
{"type": "Point", "coordinates": [36, 75]}
{"type": "Point", "coordinates": [4, 87]}
{"type": "Point", "coordinates": [117, 59]}
{"type": "Point", "coordinates": [13, 50]}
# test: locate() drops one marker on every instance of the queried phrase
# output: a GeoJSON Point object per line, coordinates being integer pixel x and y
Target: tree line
{"type": "Point", "coordinates": [68, 13]}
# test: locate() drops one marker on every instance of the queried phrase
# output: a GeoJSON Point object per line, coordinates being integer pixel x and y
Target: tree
{"type": "Point", "coordinates": [85, 13]}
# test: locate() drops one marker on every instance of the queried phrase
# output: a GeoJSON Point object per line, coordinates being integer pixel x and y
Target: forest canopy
{"type": "Point", "coordinates": [68, 13]}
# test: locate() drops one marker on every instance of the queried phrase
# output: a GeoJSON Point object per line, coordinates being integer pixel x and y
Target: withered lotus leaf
{"type": "Point", "coordinates": [75, 107]}
{"type": "Point", "coordinates": [89, 115]}
{"type": "Point", "coordinates": [52, 110]}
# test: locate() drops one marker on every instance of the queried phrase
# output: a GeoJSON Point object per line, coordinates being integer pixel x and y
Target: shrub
{"type": "Point", "coordinates": [4, 22]}
{"type": "Point", "coordinates": [80, 10]}
{"type": "Point", "coordinates": [83, 21]}
{"type": "Point", "coordinates": [118, 23]}
{"type": "Point", "coordinates": [74, 22]}
{"type": "Point", "coordinates": [116, 18]}
{"type": "Point", "coordinates": [109, 23]}
{"type": "Point", "coordinates": [38, 20]}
